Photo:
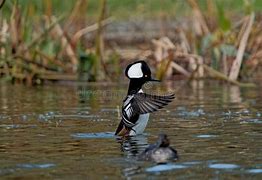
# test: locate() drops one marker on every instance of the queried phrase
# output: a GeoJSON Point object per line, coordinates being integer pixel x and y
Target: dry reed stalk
{"type": "Point", "coordinates": [184, 42]}
{"type": "Point", "coordinates": [243, 23]}
{"type": "Point", "coordinates": [77, 14]}
{"type": "Point", "coordinates": [100, 44]}
{"type": "Point", "coordinates": [89, 29]}
{"type": "Point", "coordinates": [234, 72]}
{"type": "Point", "coordinates": [255, 59]}
{"type": "Point", "coordinates": [2, 3]}
{"type": "Point", "coordinates": [30, 64]}
{"type": "Point", "coordinates": [198, 61]}
{"type": "Point", "coordinates": [199, 21]}
{"type": "Point", "coordinates": [69, 49]}
{"type": "Point", "coordinates": [129, 54]}
{"type": "Point", "coordinates": [254, 62]}
{"type": "Point", "coordinates": [54, 60]}
{"type": "Point", "coordinates": [180, 69]}
{"type": "Point", "coordinates": [48, 8]}
{"type": "Point", "coordinates": [186, 49]}
{"type": "Point", "coordinates": [58, 76]}
{"type": "Point", "coordinates": [200, 69]}
{"type": "Point", "coordinates": [164, 55]}
{"type": "Point", "coordinates": [3, 36]}
{"type": "Point", "coordinates": [44, 33]}
{"type": "Point", "coordinates": [143, 54]}
{"type": "Point", "coordinates": [222, 76]}
{"type": "Point", "coordinates": [193, 62]}
{"type": "Point", "coordinates": [224, 64]}
{"type": "Point", "coordinates": [15, 28]}
{"type": "Point", "coordinates": [210, 7]}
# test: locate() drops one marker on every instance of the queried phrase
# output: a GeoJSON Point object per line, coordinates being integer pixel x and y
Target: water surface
{"type": "Point", "coordinates": [66, 131]}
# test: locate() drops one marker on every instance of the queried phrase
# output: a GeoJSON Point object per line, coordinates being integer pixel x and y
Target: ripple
{"type": "Point", "coordinates": [223, 166]}
{"type": "Point", "coordinates": [6, 171]}
{"type": "Point", "coordinates": [192, 163]}
{"type": "Point", "coordinates": [9, 126]}
{"type": "Point", "coordinates": [109, 110]}
{"type": "Point", "coordinates": [256, 121]}
{"type": "Point", "coordinates": [75, 116]}
{"type": "Point", "coordinates": [33, 166]}
{"type": "Point", "coordinates": [3, 117]}
{"type": "Point", "coordinates": [206, 136]}
{"type": "Point", "coordinates": [94, 135]}
{"type": "Point", "coordinates": [24, 117]}
{"type": "Point", "coordinates": [15, 126]}
{"type": "Point", "coordinates": [255, 171]}
{"type": "Point", "coordinates": [165, 167]}
{"type": "Point", "coordinates": [193, 113]}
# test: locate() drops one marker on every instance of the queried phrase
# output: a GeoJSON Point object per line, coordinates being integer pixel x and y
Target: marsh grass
{"type": "Point", "coordinates": [43, 40]}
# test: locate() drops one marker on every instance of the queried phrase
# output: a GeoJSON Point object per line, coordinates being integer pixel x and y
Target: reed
{"type": "Point", "coordinates": [37, 45]}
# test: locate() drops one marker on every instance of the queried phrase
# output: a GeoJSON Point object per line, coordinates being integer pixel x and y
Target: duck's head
{"type": "Point", "coordinates": [163, 140]}
{"type": "Point", "coordinates": [139, 70]}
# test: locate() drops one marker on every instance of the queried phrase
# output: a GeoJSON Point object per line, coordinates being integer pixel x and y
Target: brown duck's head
{"type": "Point", "coordinates": [163, 141]}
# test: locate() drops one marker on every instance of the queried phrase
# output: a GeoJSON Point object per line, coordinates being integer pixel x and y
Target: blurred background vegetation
{"type": "Point", "coordinates": [93, 40]}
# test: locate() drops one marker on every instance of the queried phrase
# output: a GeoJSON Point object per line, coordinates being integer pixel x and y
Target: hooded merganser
{"type": "Point", "coordinates": [160, 152]}
{"type": "Point", "coordinates": [137, 105]}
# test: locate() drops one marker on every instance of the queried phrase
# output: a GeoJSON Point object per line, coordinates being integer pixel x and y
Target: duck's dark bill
{"type": "Point", "coordinates": [156, 80]}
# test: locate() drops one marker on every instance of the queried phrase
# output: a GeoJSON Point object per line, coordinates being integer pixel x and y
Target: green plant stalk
{"type": "Point", "coordinates": [98, 72]}
{"type": "Point", "coordinates": [44, 33]}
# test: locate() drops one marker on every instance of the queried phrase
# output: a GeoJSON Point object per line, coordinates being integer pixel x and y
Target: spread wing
{"type": "Point", "coordinates": [146, 103]}
{"type": "Point", "coordinates": [142, 103]}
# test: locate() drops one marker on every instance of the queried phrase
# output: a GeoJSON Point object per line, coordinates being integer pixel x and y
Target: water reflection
{"type": "Point", "coordinates": [132, 146]}
{"type": "Point", "coordinates": [94, 135]}
{"type": "Point", "coordinates": [235, 94]}
{"type": "Point", "coordinates": [131, 171]}
{"type": "Point", "coordinates": [215, 128]}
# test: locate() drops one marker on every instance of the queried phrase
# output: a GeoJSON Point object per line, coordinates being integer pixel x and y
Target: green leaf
{"type": "Point", "coordinates": [86, 63]}
{"type": "Point", "coordinates": [228, 50]}
{"type": "Point", "coordinates": [223, 21]}
{"type": "Point", "coordinates": [206, 42]}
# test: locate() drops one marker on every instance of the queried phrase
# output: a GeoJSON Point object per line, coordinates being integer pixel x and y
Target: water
{"type": "Point", "coordinates": [67, 132]}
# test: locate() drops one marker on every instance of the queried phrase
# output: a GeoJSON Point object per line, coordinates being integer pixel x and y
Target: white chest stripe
{"type": "Point", "coordinates": [140, 125]}
{"type": "Point", "coordinates": [127, 107]}
{"type": "Point", "coordinates": [128, 123]}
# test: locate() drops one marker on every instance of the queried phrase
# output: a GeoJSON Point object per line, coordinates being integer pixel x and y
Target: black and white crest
{"type": "Point", "coordinates": [134, 71]}
{"type": "Point", "coordinates": [138, 69]}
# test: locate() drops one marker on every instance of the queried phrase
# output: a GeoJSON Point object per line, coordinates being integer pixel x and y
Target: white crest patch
{"type": "Point", "coordinates": [135, 71]}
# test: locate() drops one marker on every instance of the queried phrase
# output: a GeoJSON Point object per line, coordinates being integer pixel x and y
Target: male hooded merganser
{"type": "Point", "coordinates": [160, 152]}
{"type": "Point", "coordinates": [137, 105]}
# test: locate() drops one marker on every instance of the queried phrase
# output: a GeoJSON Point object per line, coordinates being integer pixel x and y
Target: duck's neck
{"type": "Point", "coordinates": [135, 86]}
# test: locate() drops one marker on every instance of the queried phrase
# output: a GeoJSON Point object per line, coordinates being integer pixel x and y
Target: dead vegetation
{"type": "Point", "coordinates": [210, 45]}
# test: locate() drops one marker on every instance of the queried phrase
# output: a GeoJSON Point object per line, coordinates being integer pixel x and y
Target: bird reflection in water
{"type": "Point", "coordinates": [133, 145]}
